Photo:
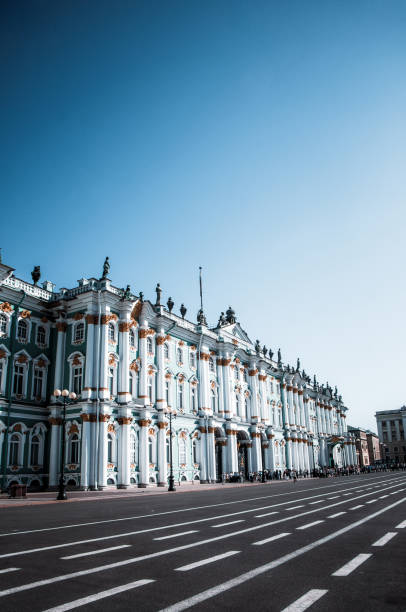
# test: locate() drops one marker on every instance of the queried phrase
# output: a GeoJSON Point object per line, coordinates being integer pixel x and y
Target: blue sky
{"type": "Point", "coordinates": [264, 141]}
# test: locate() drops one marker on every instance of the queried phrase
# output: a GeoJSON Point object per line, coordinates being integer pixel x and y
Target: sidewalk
{"type": "Point", "coordinates": [49, 497]}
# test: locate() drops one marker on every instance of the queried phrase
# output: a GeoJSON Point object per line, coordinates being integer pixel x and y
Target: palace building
{"type": "Point", "coordinates": [133, 363]}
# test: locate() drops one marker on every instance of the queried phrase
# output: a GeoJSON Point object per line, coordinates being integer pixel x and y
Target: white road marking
{"type": "Point", "coordinates": [266, 514]}
{"type": "Point", "coordinates": [371, 501]}
{"type": "Point", "coordinates": [96, 552]}
{"type": "Point", "coordinates": [305, 601]}
{"type": "Point", "coordinates": [345, 494]}
{"type": "Point", "coordinates": [189, 509]}
{"type": "Point", "coordinates": [310, 525]}
{"type": "Point", "coordinates": [319, 501]}
{"type": "Point", "coordinates": [349, 567]}
{"type": "Point", "coordinates": [102, 595]}
{"type": "Point", "coordinates": [177, 535]}
{"type": "Point", "coordinates": [9, 569]}
{"type": "Point", "coordinates": [382, 541]}
{"type": "Point", "coordinates": [191, 566]}
{"type": "Point", "coordinates": [356, 507]}
{"type": "Point", "coordinates": [271, 539]}
{"type": "Point", "coordinates": [401, 525]}
{"type": "Point", "coordinates": [234, 582]}
{"type": "Point", "coordinates": [334, 497]}
{"type": "Point", "coordinates": [295, 507]}
{"type": "Point", "coordinates": [225, 524]}
{"type": "Point", "coordinates": [174, 525]}
{"type": "Point", "coordinates": [383, 496]}
{"type": "Point", "coordinates": [336, 514]}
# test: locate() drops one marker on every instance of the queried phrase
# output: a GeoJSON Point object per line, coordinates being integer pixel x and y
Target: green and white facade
{"type": "Point", "coordinates": [131, 361]}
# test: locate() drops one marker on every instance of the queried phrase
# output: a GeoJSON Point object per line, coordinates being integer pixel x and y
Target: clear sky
{"type": "Point", "coordinates": [262, 140]}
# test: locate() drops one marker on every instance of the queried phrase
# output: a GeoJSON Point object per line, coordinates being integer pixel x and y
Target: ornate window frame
{"type": "Point", "coordinates": [38, 430]}
{"type": "Point", "coordinates": [7, 319]}
{"type": "Point", "coordinates": [4, 362]}
{"type": "Point", "coordinates": [20, 452]}
{"type": "Point", "coordinates": [40, 362]}
{"type": "Point", "coordinates": [77, 338]}
{"type": "Point", "coordinates": [76, 360]}
{"type": "Point", "coordinates": [28, 324]}
{"type": "Point", "coordinates": [21, 359]}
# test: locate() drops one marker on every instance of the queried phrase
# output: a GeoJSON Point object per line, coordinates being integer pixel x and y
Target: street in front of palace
{"type": "Point", "coordinates": [324, 544]}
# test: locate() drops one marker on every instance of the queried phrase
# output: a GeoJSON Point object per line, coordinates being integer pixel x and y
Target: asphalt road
{"type": "Point", "coordinates": [332, 544]}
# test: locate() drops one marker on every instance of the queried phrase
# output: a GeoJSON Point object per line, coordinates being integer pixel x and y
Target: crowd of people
{"type": "Point", "coordinates": [326, 472]}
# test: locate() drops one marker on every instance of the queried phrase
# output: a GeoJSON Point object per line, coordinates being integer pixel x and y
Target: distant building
{"type": "Point", "coordinates": [132, 363]}
{"type": "Point", "coordinates": [374, 448]}
{"type": "Point", "coordinates": [361, 445]}
{"type": "Point", "coordinates": [391, 431]}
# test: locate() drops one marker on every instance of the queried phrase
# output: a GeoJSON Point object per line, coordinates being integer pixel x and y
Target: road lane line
{"type": "Point", "coordinates": [310, 525]}
{"type": "Point", "coordinates": [352, 565]}
{"type": "Point", "coordinates": [191, 566]}
{"type": "Point", "coordinates": [96, 552]}
{"type": "Point", "coordinates": [306, 600]}
{"type": "Point", "coordinates": [295, 507]}
{"type": "Point", "coordinates": [189, 509]}
{"type": "Point", "coordinates": [334, 497]}
{"type": "Point", "coordinates": [356, 507]}
{"type": "Point", "coordinates": [401, 525]}
{"type": "Point", "coordinates": [383, 496]}
{"type": "Point", "coordinates": [97, 596]}
{"type": "Point", "coordinates": [177, 535]}
{"type": "Point", "coordinates": [337, 514]}
{"type": "Point", "coordinates": [271, 539]}
{"type": "Point", "coordinates": [382, 541]}
{"type": "Point", "coordinates": [266, 514]}
{"type": "Point", "coordinates": [319, 501]}
{"type": "Point", "coordinates": [371, 501]}
{"type": "Point", "coordinates": [225, 524]}
{"type": "Point", "coordinates": [162, 527]}
{"type": "Point", "coordinates": [235, 582]}
{"type": "Point", "coordinates": [9, 569]}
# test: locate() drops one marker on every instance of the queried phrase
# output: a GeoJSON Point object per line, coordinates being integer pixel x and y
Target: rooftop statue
{"type": "Point", "coordinates": [170, 303]}
{"type": "Point", "coordinates": [158, 295]}
{"type": "Point", "coordinates": [106, 268]}
{"type": "Point", "coordinates": [298, 365]}
{"type": "Point", "coordinates": [264, 350]}
{"type": "Point", "coordinates": [279, 356]}
{"type": "Point", "coordinates": [222, 320]}
{"type": "Point", "coordinates": [270, 353]}
{"type": "Point", "coordinates": [127, 293]}
{"type": "Point", "coordinates": [230, 315]}
{"type": "Point", "coordinates": [183, 311]}
{"type": "Point", "coordinates": [36, 274]}
{"type": "Point", "coordinates": [257, 347]}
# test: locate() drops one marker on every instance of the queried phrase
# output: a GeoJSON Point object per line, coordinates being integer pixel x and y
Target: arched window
{"type": "Point", "coordinates": [237, 404]}
{"type": "Point", "coordinates": [151, 450]}
{"type": "Point", "coordinates": [41, 336]}
{"type": "Point", "coordinates": [182, 451]}
{"type": "Point", "coordinates": [236, 372]}
{"type": "Point", "coordinates": [133, 449]}
{"type": "Point", "coordinates": [3, 325]}
{"type": "Point", "coordinates": [211, 364]}
{"type": "Point", "coordinates": [213, 400]}
{"type": "Point", "coordinates": [192, 359]}
{"type": "Point", "coordinates": [74, 449]}
{"type": "Point", "coordinates": [35, 445]}
{"type": "Point", "coordinates": [180, 396]}
{"type": "Point", "coordinates": [167, 391]}
{"type": "Point", "coordinates": [194, 451]}
{"type": "Point", "coordinates": [14, 451]}
{"type": "Point", "coordinates": [109, 448]}
{"type": "Point", "coordinates": [111, 382]}
{"type": "Point", "coordinates": [245, 415]}
{"type": "Point", "coordinates": [194, 398]}
{"type": "Point", "coordinates": [80, 332]}
{"type": "Point", "coordinates": [112, 332]}
{"type": "Point", "coordinates": [150, 347]}
{"type": "Point", "coordinates": [245, 375]}
{"type": "Point", "coordinates": [179, 355]}
{"type": "Point", "coordinates": [166, 350]}
{"type": "Point", "coordinates": [132, 338]}
{"type": "Point", "coordinates": [22, 331]}
{"type": "Point", "coordinates": [18, 380]}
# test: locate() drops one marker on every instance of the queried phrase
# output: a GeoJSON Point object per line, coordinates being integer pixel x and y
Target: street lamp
{"type": "Point", "coordinates": [171, 478]}
{"type": "Point", "coordinates": [66, 396]}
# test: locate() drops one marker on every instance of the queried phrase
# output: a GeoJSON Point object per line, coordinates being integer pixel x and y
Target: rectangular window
{"type": "Point", "coordinates": [38, 381]}
{"type": "Point", "coordinates": [130, 385]}
{"type": "Point", "coordinates": [111, 382]}
{"type": "Point", "coordinates": [194, 405]}
{"type": "Point", "coordinates": [167, 391]}
{"type": "Point", "coordinates": [1, 374]}
{"type": "Point", "coordinates": [77, 380]}
{"type": "Point", "coordinates": [18, 379]}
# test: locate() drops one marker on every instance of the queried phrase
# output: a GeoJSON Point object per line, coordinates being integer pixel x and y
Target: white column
{"type": "Point", "coordinates": [264, 415]}
{"type": "Point", "coordinates": [86, 452]}
{"type": "Point", "coordinates": [203, 451]}
{"type": "Point", "coordinates": [160, 380]}
{"type": "Point", "coordinates": [143, 467]}
{"type": "Point", "coordinates": [60, 356]}
{"type": "Point", "coordinates": [221, 390]}
{"type": "Point", "coordinates": [104, 355]}
{"type": "Point", "coordinates": [211, 452]}
{"type": "Point", "coordinates": [256, 452]}
{"type": "Point", "coordinates": [288, 449]}
{"type": "Point", "coordinates": [54, 456]}
{"type": "Point", "coordinates": [103, 419]}
{"type": "Point", "coordinates": [124, 422]}
{"type": "Point", "coordinates": [124, 326]}
{"type": "Point", "coordinates": [232, 454]}
{"type": "Point", "coordinates": [226, 378]}
{"type": "Point", "coordinates": [89, 385]}
{"type": "Point", "coordinates": [162, 461]}
{"type": "Point", "coordinates": [255, 408]}
{"type": "Point", "coordinates": [143, 376]}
